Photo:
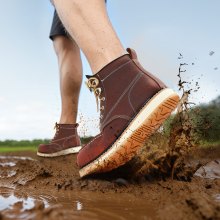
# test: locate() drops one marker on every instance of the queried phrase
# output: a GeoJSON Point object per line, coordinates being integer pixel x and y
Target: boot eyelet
{"type": "Point", "coordinates": [97, 91]}
{"type": "Point", "coordinates": [93, 82]}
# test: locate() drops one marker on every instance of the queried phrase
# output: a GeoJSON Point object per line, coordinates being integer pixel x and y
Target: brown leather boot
{"type": "Point", "coordinates": [133, 104]}
{"type": "Point", "coordinates": [65, 141]}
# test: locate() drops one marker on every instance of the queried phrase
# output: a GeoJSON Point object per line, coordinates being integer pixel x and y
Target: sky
{"type": "Point", "coordinates": [158, 30]}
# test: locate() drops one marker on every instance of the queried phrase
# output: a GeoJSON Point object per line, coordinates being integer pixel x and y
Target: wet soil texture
{"type": "Point", "coordinates": [40, 188]}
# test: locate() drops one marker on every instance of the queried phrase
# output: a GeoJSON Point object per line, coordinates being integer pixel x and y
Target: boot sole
{"type": "Point", "coordinates": [72, 150]}
{"type": "Point", "coordinates": [145, 123]}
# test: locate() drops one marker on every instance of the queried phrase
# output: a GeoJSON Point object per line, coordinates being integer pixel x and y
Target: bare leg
{"type": "Point", "coordinates": [89, 25]}
{"type": "Point", "coordinates": [66, 139]}
{"type": "Point", "coordinates": [70, 67]}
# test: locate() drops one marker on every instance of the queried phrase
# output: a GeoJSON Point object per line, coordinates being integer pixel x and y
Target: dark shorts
{"type": "Point", "coordinates": [57, 28]}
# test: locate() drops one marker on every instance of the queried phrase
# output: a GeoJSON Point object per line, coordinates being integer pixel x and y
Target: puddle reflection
{"type": "Point", "coordinates": [217, 198]}
{"type": "Point", "coordinates": [7, 164]}
{"type": "Point", "coordinates": [88, 205]}
{"type": "Point", "coordinates": [210, 171]}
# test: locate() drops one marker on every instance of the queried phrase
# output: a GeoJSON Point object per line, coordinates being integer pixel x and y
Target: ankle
{"type": "Point", "coordinates": [67, 120]}
{"type": "Point", "coordinates": [104, 57]}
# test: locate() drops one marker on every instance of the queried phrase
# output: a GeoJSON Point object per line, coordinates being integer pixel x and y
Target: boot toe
{"type": "Point", "coordinates": [43, 148]}
{"type": "Point", "coordinates": [90, 151]}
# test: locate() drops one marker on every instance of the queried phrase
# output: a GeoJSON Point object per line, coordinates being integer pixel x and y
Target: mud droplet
{"type": "Point", "coordinates": [211, 53]}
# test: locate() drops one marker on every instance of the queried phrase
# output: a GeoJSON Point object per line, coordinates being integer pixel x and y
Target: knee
{"type": "Point", "coordinates": [63, 45]}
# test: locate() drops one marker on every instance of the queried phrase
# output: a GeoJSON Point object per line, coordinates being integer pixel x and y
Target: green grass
{"type": "Point", "coordinates": [207, 144]}
{"type": "Point", "coordinates": [5, 149]}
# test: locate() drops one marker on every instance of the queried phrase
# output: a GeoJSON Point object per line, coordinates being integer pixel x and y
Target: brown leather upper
{"type": "Point", "coordinates": [66, 136]}
{"type": "Point", "coordinates": [123, 87]}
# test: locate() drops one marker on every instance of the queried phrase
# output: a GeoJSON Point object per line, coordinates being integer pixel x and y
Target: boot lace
{"type": "Point", "coordinates": [92, 84]}
{"type": "Point", "coordinates": [57, 127]}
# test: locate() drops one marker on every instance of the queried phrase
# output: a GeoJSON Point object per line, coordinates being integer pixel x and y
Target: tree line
{"type": "Point", "coordinates": [34, 142]}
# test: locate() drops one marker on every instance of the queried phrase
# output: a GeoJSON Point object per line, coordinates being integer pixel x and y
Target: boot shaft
{"type": "Point", "coordinates": [121, 87]}
{"type": "Point", "coordinates": [66, 131]}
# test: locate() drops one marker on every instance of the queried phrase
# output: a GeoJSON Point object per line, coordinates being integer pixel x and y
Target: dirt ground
{"type": "Point", "coordinates": [40, 188]}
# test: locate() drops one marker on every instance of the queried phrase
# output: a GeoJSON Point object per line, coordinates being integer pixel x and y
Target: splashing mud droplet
{"type": "Point", "coordinates": [211, 53]}
{"type": "Point", "coordinates": [164, 152]}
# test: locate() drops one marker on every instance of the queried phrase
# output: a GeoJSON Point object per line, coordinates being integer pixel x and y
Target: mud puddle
{"type": "Point", "coordinates": [39, 188]}
{"type": "Point", "coordinates": [34, 204]}
{"type": "Point", "coordinates": [27, 192]}
{"type": "Point", "coordinates": [210, 171]}
{"type": "Point", "coordinates": [74, 205]}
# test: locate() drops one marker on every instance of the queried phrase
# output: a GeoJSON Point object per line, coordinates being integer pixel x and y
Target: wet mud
{"type": "Point", "coordinates": [50, 188]}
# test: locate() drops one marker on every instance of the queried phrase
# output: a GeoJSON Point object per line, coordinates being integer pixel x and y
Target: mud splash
{"type": "Point", "coordinates": [164, 154]}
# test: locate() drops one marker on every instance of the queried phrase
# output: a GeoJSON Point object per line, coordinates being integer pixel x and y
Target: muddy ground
{"type": "Point", "coordinates": [42, 188]}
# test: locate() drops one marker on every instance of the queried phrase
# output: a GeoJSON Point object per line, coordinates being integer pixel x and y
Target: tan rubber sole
{"type": "Point", "coordinates": [72, 150]}
{"type": "Point", "coordinates": [146, 122]}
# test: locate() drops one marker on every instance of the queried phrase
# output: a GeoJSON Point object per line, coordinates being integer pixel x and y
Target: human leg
{"type": "Point", "coordinates": [66, 139]}
{"type": "Point", "coordinates": [88, 23]}
{"type": "Point", "coordinates": [133, 102]}
{"type": "Point", "coordinates": [70, 67]}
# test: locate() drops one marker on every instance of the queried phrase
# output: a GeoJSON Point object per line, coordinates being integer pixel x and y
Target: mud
{"type": "Point", "coordinates": [44, 188]}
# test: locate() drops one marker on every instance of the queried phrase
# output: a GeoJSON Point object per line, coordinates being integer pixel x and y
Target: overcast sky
{"type": "Point", "coordinates": [159, 30]}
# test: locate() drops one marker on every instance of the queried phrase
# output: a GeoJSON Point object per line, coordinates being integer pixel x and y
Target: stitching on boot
{"type": "Point", "coordinates": [95, 138]}
{"type": "Point", "coordinates": [116, 70]}
{"type": "Point", "coordinates": [63, 138]}
{"type": "Point", "coordinates": [119, 99]}
{"type": "Point", "coordinates": [129, 93]}
{"type": "Point", "coordinates": [123, 65]}
{"type": "Point", "coordinates": [116, 117]}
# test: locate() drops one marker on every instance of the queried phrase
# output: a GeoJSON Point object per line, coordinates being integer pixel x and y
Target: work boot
{"type": "Point", "coordinates": [133, 105]}
{"type": "Point", "coordinates": [66, 141]}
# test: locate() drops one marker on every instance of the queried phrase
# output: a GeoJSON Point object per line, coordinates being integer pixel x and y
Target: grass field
{"type": "Point", "coordinates": [27, 145]}
{"type": "Point", "coordinates": [5, 149]}
{"type": "Point", "coordinates": [208, 144]}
